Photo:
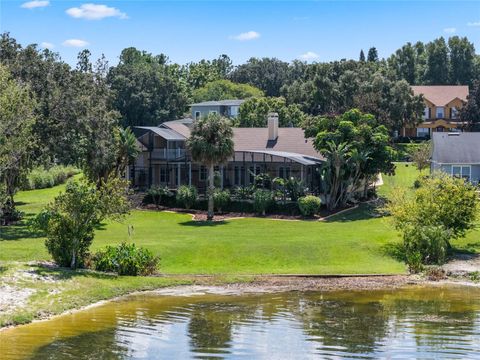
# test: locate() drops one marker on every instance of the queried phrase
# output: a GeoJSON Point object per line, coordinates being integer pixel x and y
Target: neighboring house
{"type": "Point", "coordinates": [227, 108]}
{"type": "Point", "coordinates": [457, 154]}
{"type": "Point", "coordinates": [441, 113]}
{"type": "Point", "coordinates": [280, 152]}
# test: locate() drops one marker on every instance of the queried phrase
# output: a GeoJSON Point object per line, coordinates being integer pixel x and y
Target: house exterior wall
{"type": "Point", "coordinates": [205, 110]}
{"type": "Point", "coordinates": [447, 169]}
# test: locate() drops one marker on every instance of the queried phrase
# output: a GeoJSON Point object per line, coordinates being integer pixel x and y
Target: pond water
{"type": "Point", "coordinates": [416, 322]}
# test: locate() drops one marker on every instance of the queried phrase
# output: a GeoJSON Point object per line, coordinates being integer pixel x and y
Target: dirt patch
{"type": "Point", "coordinates": [270, 284]}
{"type": "Point", "coordinates": [463, 264]}
{"type": "Point", "coordinates": [12, 297]}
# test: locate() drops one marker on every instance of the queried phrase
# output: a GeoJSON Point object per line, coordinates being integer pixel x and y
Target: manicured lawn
{"type": "Point", "coordinates": [348, 244]}
{"type": "Point", "coordinates": [405, 175]}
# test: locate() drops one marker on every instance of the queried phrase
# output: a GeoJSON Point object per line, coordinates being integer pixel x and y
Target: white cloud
{"type": "Point", "coordinates": [35, 4]}
{"type": "Point", "coordinates": [95, 12]}
{"type": "Point", "coordinates": [47, 45]}
{"type": "Point", "coordinates": [309, 55]}
{"type": "Point", "coordinates": [75, 43]}
{"type": "Point", "coordinates": [246, 36]}
{"type": "Point", "coordinates": [450, 30]}
{"type": "Point", "coordinates": [475, 23]}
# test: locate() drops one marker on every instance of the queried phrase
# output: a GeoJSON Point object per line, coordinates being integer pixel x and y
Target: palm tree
{"type": "Point", "coordinates": [127, 149]}
{"type": "Point", "coordinates": [211, 144]}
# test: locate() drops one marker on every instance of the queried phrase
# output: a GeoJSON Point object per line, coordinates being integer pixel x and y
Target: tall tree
{"type": "Point", "coordinates": [224, 90]}
{"type": "Point", "coordinates": [211, 144]}
{"type": "Point", "coordinates": [362, 56]}
{"type": "Point", "coordinates": [462, 53]}
{"type": "Point", "coordinates": [267, 74]}
{"type": "Point", "coordinates": [372, 55]}
{"type": "Point", "coordinates": [437, 67]}
{"type": "Point", "coordinates": [470, 113]}
{"type": "Point", "coordinates": [16, 140]}
{"type": "Point", "coordinates": [148, 91]}
{"type": "Point", "coordinates": [404, 63]}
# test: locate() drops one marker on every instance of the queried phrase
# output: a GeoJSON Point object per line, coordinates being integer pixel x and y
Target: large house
{"type": "Point", "coordinates": [457, 154]}
{"type": "Point", "coordinates": [442, 105]}
{"type": "Point", "coordinates": [280, 152]}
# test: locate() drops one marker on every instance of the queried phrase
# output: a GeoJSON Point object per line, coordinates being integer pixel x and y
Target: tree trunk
{"type": "Point", "coordinates": [73, 264]}
{"type": "Point", "coordinates": [211, 189]}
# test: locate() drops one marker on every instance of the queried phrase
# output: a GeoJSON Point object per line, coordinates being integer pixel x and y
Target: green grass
{"type": "Point", "coordinates": [347, 244]}
{"type": "Point", "coordinates": [405, 175]}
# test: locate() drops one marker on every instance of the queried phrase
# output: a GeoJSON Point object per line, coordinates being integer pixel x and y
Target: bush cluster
{"type": "Point", "coordinates": [187, 196]}
{"type": "Point", "coordinates": [262, 200]}
{"type": "Point", "coordinates": [309, 205]}
{"type": "Point", "coordinates": [221, 199]}
{"type": "Point", "coordinates": [41, 178]}
{"type": "Point", "coordinates": [126, 259]}
{"type": "Point", "coordinates": [158, 195]}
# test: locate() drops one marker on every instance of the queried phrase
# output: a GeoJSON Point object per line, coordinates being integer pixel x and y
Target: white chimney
{"type": "Point", "coordinates": [272, 126]}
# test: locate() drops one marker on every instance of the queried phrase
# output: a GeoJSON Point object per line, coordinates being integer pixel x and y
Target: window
{"type": "Point", "coordinates": [423, 132]}
{"type": "Point", "coordinates": [462, 171]}
{"type": "Point", "coordinates": [426, 113]}
{"type": "Point", "coordinates": [163, 175]}
{"type": "Point", "coordinates": [284, 172]}
{"type": "Point", "coordinates": [203, 173]}
{"type": "Point", "coordinates": [238, 175]}
{"type": "Point", "coordinates": [453, 112]}
{"type": "Point", "coordinates": [253, 172]}
{"type": "Point", "coordinates": [234, 111]}
{"type": "Point", "coordinates": [213, 112]}
{"type": "Point", "coordinates": [198, 115]}
{"type": "Point", "coordinates": [440, 112]}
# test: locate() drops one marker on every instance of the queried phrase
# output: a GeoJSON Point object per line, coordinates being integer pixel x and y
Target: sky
{"type": "Point", "coordinates": [192, 30]}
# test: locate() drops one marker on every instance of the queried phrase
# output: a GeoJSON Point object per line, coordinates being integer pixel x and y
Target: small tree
{"type": "Point", "coordinates": [71, 219]}
{"type": "Point", "coordinates": [421, 156]}
{"type": "Point", "coordinates": [211, 144]}
{"type": "Point", "coordinates": [441, 209]}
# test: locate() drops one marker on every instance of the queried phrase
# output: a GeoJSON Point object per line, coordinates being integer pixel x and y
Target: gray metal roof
{"type": "Point", "coordinates": [220, 103]}
{"type": "Point", "coordinates": [456, 148]}
{"type": "Point", "coordinates": [299, 158]}
{"type": "Point", "coordinates": [167, 134]}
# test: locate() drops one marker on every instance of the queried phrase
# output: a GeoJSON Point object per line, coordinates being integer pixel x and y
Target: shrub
{"type": "Point", "coordinates": [295, 188]}
{"type": "Point", "coordinates": [158, 195]}
{"type": "Point", "coordinates": [243, 192]}
{"type": "Point", "coordinates": [309, 205]}
{"type": "Point", "coordinates": [221, 199]}
{"type": "Point", "coordinates": [262, 199]}
{"type": "Point", "coordinates": [126, 259]}
{"type": "Point", "coordinates": [431, 242]}
{"type": "Point", "coordinates": [41, 178]}
{"type": "Point", "coordinates": [70, 221]}
{"type": "Point", "coordinates": [187, 196]}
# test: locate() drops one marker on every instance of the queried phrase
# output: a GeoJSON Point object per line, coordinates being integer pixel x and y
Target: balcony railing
{"type": "Point", "coordinates": [168, 154]}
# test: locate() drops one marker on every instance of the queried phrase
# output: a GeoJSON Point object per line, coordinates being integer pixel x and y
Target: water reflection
{"type": "Point", "coordinates": [413, 323]}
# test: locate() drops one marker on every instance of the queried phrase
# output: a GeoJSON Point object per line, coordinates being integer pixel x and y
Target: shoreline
{"type": "Point", "coordinates": [268, 284]}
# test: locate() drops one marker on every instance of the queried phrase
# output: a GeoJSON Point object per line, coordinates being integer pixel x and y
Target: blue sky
{"type": "Point", "coordinates": [192, 30]}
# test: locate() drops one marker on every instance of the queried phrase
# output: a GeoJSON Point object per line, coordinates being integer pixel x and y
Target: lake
{"type": "Point", "coordinates": [414, 322]}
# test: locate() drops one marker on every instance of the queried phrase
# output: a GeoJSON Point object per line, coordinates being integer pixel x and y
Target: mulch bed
{"type": "Point", "coordinates": [201, 215]}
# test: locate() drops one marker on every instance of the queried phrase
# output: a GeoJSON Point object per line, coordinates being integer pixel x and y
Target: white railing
{"type": "Point", "coordinates": [168, 154]}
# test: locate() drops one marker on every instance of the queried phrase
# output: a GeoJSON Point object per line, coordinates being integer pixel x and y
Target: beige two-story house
{"type": "Point", "coordinates": [441, 113]}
